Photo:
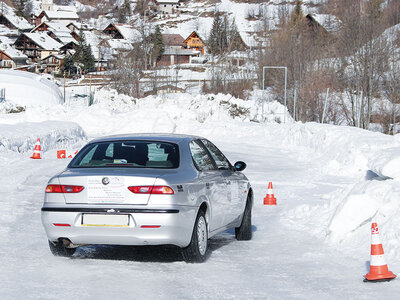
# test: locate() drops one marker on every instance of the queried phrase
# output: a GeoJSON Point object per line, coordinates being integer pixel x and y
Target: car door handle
{"type": "Point", "coordinates": [207, 185]}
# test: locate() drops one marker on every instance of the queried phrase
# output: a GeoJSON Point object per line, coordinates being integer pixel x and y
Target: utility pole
{"type": "Point", "coordinates": [64, 85]}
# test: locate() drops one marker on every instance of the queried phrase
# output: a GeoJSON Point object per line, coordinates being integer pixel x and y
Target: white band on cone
{"type": "Point", "coordinates": [378, 260]}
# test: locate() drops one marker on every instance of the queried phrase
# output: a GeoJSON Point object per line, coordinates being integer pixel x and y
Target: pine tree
{"type": "Point", "coordinates": [297, 14]}
{"type": "Point", "coordinates": [124, 11]}
{"type": "Point", "coordinates": [158, 45]}
{"type": "Point", "coordinates": [68, 65]}
{"type": "Point", "coordinates": [21, 7]}
{"type": "Point", "coordinates": [217, 41]}
{"type": "Point", "coordinates": [83, 56]}
{"type": "Point", "coordinates": [234, 38]}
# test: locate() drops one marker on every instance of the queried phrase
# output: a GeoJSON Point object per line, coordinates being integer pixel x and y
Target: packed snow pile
{"type": "Point", "coordinates": [28, 89]}
{"type": "Point", "coordinates": [387, 163]}
{"type": "Point", "coordinates": [21, 137]}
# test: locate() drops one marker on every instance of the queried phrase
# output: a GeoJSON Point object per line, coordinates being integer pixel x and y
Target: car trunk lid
{"type": "Point", "coordinates": [107, 186]}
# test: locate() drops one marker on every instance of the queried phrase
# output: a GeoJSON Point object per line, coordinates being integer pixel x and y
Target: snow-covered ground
{"type": "Point", "coordinates": [330, 183]}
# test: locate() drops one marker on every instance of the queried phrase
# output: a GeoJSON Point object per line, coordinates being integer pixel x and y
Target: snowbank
{"type": "Point", "coordinates": [28, 89]}
{"type": "Point", "coordinates": [22, 137]}
{"type": "Point", "coordinates": [386, 163]}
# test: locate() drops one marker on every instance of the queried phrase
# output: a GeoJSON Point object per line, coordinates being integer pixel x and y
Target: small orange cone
{"type": "Point", "coordinates": [61, 153]}
{"type": "Point", "coordinates": [378, 270]}
{"type": "Point", "coordinates": [36, 151]}
{"type": "Point", "coordinates": [270, 198]}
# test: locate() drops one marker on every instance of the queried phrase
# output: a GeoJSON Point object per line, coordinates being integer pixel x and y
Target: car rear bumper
{"type": "Point", "coordinates": [146, 226]}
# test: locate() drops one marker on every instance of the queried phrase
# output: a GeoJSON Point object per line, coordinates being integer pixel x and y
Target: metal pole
{"type": "Point", "coordinates": [64, 86]}
{"type": "Point", "coordinates": [294, 104]}
{"type": "Point", "coordinates": [284, 112]}
{"type": "Point", "coordinates": [326, 101]}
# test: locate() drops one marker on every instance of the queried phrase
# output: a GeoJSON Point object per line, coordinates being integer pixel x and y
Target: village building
{"type": "Point", "coordinates": [175, 51]}
{"type": "Point", "coordinates": [37, 45]}
{"type": "Point", "coordinates": [168, 6]}
{"type": "Point", "coordinates": [123, 31]}
{"type": "Point", "coordinates": [194, 42]}
{"type": "Point", "coordinates": [64, 17]}
{"type": "Point", "coordinates": [11, 58]}
{"type": "Point", "coordinates": [51, 63]}
{"type": "Point", "coordinates": [57, 31]}
{"type": "Point", "coordinates": [9, 19]}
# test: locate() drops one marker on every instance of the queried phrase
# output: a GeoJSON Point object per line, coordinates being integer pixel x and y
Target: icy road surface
{"type": "Point", "coordinates": [283, 261]}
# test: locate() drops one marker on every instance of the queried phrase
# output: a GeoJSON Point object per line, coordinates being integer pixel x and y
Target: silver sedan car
{"type": "Point", "coordinates": [150, 189]}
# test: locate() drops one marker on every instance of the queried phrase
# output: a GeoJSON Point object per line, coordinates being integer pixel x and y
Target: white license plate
{"type": "Point", "coordinates": [105, 220]}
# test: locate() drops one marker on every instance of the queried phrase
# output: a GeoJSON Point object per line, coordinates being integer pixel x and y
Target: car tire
{"type": "Point", "coordinates": [197, 250]}
{"type": "Point", "coordinates": [244, 232]}
{"type": "Point", "coordinates": [58, 249]}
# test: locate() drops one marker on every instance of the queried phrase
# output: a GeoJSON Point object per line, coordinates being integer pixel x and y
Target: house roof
{"type": "Point", "coordinates": [183, 52]}
{"type": "Point", "coordinates": [60, 15]}
{"type": "Point", "coordinates": [329, 22]}
{"type": "Point", "coordinates": [167, 1]}
{"type": "Point", "coordinates": [18, 22]}
{"type": "Point", "coordinates": [58, 56]}
{"type": "Point", "coordinates": [127, 31]}
{"type": "Point", "coordinates": [12, 52]}
{"type": "Point", "coordinates": [43, 40]}
{"type": "Point", "coordinates": [120, 44]}
{"type": "Point", "coordinates": [193, 34]}
{"type": "Point", "coordinates": [173, 40]}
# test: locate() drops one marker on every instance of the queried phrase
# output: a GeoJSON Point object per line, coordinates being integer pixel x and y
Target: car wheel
{"type": "Point", "coordinates": [244, 232]}
{"type": "Point", "coordinates": [58, 249]}
{"type": "Point", "coordinates": [197, 249]}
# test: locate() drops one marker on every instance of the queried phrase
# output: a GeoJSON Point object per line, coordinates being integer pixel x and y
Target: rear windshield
{"type": "Point", "coordinates": [134, 154]}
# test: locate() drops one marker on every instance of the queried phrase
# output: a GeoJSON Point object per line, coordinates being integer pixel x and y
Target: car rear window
{"type": "Point", "coordinates": [135, 154]}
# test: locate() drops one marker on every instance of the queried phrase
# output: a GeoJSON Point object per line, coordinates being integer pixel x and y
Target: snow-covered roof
{"type": "Point", "coordinates": [58, 15]}
{"type": "Point", "coordinates": [167, 1]}
{"type": "Point", "coordinates": [174, 51]}
{"type": "Point", "coordinates": [58, 56]}
{"type": "Point", "coordinates": [91, 38]}
{"type": "Point", "coordinates": [43, 40]}
{"type": "Point", "coordinates": [120, 44]}
{"type": "Point", "coordinates": [173, 40]}
{"type": "Point", "coordinates": [12, 52]}
{"type": "Point", "coordinates": [5, 40]}
{"type": "Point", "coordinates": [330, 22]}
{"type": "Point", "coordinates": [57, 27]}
{"type": "Point", "coordinates": [128, 32]}
{"type": "Point", "coordinates": [18, 22]}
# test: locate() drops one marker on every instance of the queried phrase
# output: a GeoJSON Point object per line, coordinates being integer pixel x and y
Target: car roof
{"type": "Point", "coordinates": [164, 137]}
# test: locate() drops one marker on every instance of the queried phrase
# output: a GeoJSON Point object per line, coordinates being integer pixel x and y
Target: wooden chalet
{"type": "Point", "coordinates": [193, 41]}
{"type": "Point", "coordinates": [65, 17]}
{"type": "Point", "coordinates": [11, 58]}
{"type": "Point", "coordinates": [11, 21]}
{"type": "Point", "coordinates": [51, 63]}
{"type": "Point", "coordinates": [175, 51]}
{"type": "Point", "coordinates": [57, 31]}
{"type": "Point", "coordinates": [37, 45]}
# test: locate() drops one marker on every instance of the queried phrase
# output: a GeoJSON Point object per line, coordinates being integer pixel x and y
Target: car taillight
{"type": "Point", "coordinates": [56, 188]}
{"type": "Point", "coordinates": [165, 190]}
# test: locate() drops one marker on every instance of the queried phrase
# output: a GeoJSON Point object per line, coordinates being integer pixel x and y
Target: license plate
{"type": "Point", "coordinates": [105, 220]}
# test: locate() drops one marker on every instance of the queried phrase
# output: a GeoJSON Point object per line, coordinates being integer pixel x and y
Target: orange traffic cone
{"type": "Point", "coordinates": [270, 198]}
{"type": "Point", "coordinates": [378, 268]}
{"type": "Point", "coordinates": [61, 154]}
{"type": "Point", "coordinates": [36, 151]}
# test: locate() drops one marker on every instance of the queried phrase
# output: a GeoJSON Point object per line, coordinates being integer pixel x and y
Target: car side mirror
{"type": "Point", "coordinates": [240, 166]}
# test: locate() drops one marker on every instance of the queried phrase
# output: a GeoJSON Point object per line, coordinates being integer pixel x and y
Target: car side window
{"type": "Point", "coordinates": [219, 158]}
{"type": "Point", "coordinates": [200, 157]}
